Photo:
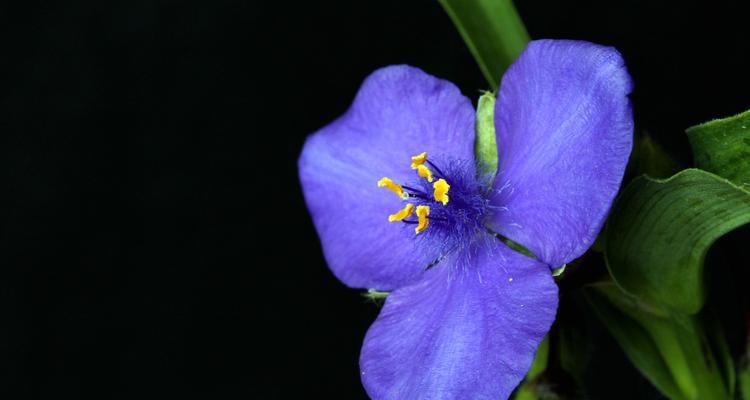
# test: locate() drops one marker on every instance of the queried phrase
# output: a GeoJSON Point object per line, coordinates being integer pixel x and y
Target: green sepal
{"type": "Point", "coordinates": [485, 141]}
{"type": "Point", "coordinates": [376, 295]}
{"type": "Point", "coordinates": [517, 247]}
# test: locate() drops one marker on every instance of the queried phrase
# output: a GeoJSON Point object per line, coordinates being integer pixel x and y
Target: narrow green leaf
{"type": "Point", "coordinates": [485, 142]}
{"type": "Point", "coordinates": [660, 230]}
{"type": "Point", "coordinates": [540, 360]}
{"type": "Point", "coordinates": [743, 373]}
{"type": "Point", "coordinates": [492, 30]}
{"type": "Point", "coordinates": [537, 391]}
{"type": "Point", "coordinates": [744, 379]}
{"type": "Point", "coordinates": [722, 146]}
{"type": "Point", "coordinates": [672, 350]}
{"type": "Point", "coordinates": [723, 354]}
{"type": "Point", "coordinates": [532, 388]}
{"type": "Point", "coordinates": [573, 349]}
{"type": "Point", "coordinates": [633, 338]}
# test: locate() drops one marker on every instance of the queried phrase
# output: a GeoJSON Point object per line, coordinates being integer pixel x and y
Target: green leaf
{"type": "Point", "coordinates": [492, 30]}
{"type": "Point", "coordinates": [485, 142]}
{"type": "Point", "coordinates": [722, 146]}
{"type": "Point", "coordinates": [672, 350]}
{"type": "Point", "coordinates": [660, 230]}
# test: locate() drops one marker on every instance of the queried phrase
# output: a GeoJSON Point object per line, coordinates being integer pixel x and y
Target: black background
{"type": "Point", "coordinates": [154, 237]}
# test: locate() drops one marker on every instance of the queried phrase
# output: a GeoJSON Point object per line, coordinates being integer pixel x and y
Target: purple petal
{"type": "Point", "coordinates": [399, 112]}
{"type": "Point", "coordinates": [468, 330]}
{"type": "Point", "coordinates": [564, 132]}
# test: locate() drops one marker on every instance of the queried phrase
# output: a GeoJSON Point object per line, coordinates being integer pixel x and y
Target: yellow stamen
{"type": "Point", "coordinates": [393, 186]}
{"type": "Point", "coordinates": [424, 172]}
{"type": "Point", "coordinates": [441, 191]}
{"type": "Point", "coordinates": [422, 213]}
{"type": "Point", "coordinates": [402, 214]}
{"type": "Point", "coordinates": [418, 160]}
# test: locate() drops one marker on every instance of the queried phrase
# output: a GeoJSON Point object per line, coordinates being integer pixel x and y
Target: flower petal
{"type": "Point", "coordinates": [399, 112]}
{"type": "Point", "coordinates": [564, 133]}
{"type": "Point", "coordinates": [468, 330]}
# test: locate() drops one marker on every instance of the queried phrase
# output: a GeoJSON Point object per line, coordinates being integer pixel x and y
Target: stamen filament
{"type": "Point", "coordinates": [414, 191]}
{"type": "Point", "coordinates": [410, 221]}
{"type": "Point", "coordinates": [440, 194]}
{"type": "Point", "coordinates": [442, 175]}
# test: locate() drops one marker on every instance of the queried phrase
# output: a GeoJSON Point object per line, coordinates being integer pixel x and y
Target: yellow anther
{"type": "Point", "coordinates": [424, 172]}
{"type": "Point", "coordinates": [418, 160]}
{"type": "Point", "coordinates": [402, 214]}
{"type": "Point", "coordinates": [422, 213]}
{"type": "Point", "coordinates": [441, 191]}
{"type": "Point", "coordinates": [393, 186]}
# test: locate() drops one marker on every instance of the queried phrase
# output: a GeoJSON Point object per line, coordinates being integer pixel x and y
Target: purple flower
{"type": "Point", "coordinates": [466, 313]}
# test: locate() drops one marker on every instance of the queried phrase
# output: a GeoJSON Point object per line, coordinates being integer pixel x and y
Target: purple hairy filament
{"type": "Point", "coordinates": [447, 203]}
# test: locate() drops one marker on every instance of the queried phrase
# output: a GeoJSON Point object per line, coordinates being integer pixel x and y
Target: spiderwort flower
{"type": "Point", "coordinates": [393, 191]}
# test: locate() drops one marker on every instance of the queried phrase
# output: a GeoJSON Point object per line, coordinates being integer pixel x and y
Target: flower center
{"type": "Point", "coordinates": [447, 199]}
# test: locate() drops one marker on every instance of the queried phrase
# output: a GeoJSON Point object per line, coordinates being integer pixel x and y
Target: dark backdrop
{"type": "Point", "coordinates": [154, 237]}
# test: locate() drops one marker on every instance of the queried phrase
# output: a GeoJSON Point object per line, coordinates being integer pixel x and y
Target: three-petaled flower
{"type": "Point", "coordinates": [466, 313]}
